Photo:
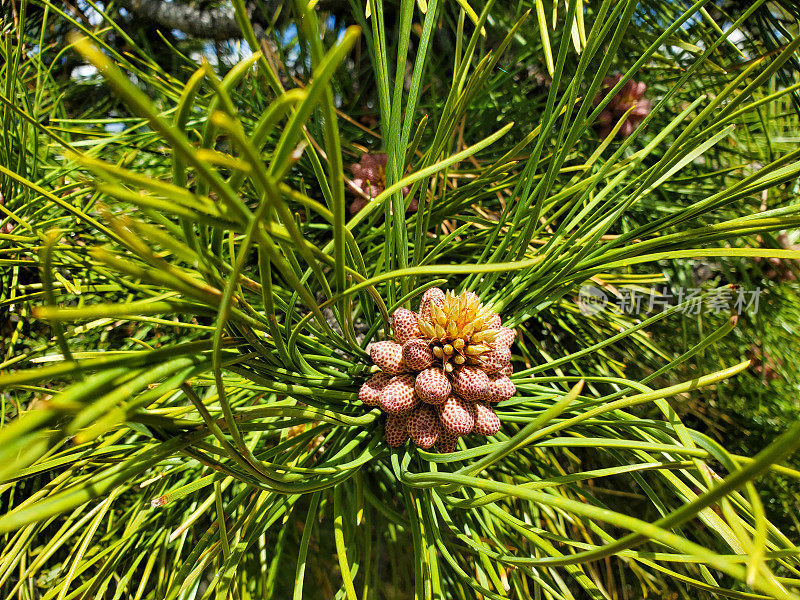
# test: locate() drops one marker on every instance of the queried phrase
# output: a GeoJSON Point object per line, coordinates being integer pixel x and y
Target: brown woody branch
{"type": "Point", "coordinates": [213, 23]}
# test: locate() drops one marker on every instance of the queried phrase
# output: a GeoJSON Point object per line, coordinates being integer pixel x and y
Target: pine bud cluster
{"type": "Point", "coordinates": [369, 180]}
{"type": "Point", "coordinates": [439, 377]}
{"type": "Point", "coordinates": [629, 96]}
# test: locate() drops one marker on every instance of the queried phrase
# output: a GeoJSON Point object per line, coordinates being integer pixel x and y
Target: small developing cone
{"type": "Point", "coordinates": [369, 181]}
{"type": "Point", "coordinates": [447, 441]}
{"type": "Point", "coordinates": [371, 389]}
{"type": "Point", "coordinates": [431, 296]}
{"type": "Point", "coordinates": [457, 415]}
{"type": "Point", "coordinates": [388, 356]}
{"type": "Point", "coordinates": [433, 386]}
{"type": "Point", "coordinates": [486, 421]}
{"type": "Point", "coordinates": [471, 383]}
{"type": "Point", "coordinates": [399, 396]}
{"type": "Point", "coordinates": [630, 95]}
{"type": "Point", "coordinates": [423, 426]}
{"type": "Point", "coordinates": [500, 388]}
{"type": "Point", "coordinates": [418, 355]}
{"type": "Point", "coordinates": [405, 325]}
{"type": "Point", "coordinates": [396, 430]}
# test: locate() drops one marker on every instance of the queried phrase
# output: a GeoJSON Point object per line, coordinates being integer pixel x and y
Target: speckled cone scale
{"type": "Point", "coordinates": [396, 430]}
{"type": "Point", "coordinates": [500, 388]}
{"type": "Point", "coordinates": [486, 420]}
{"type": "Point", "coordinates": [417, 354]}
{"type": "Point", "coordinates": [433, 386]}
{"type": "Point", "coordinates": [370, 391]}
{"type": "Point", "coordinates": [470, 382]}
{"type": "Point", "coordinates": [457, 415]}
{"type": "Point", "coordinates": [505, 337]}
{"type": "Point", "coordinates": [423, 426]}
{"type": "Point", "coordinates": [431, 296]}
{"type": "Point", "coordinates": [405, 325]}
{"type": "Point", "coordinates": [388, 356]}
{"type": "Point", "coordinates": [447, 441]}
{"type": "Point", "coordinates": [399, 396]}
{"type": "Point", "coordinates": [495, 360]}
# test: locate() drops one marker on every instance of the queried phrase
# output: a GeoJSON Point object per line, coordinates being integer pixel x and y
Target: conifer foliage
{"type": "Point", "coordinates": [219, 334]}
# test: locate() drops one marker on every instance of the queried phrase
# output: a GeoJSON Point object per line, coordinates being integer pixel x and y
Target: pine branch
{"type": "Point", "coordinates": [214, 23]}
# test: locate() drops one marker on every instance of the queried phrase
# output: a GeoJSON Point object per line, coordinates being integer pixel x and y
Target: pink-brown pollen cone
{"type": "Point", "coordinates": [447, 362]}
{"type": "Point", "coordinates": [630, 95]}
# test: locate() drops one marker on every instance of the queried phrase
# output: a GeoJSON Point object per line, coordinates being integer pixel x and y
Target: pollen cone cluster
{"type": "Point", "coordinates": [630, 95]}
{"type": "Point", "coordinates": [447, 365]}
{"type": "Point", "coordinates": [369, 181]}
